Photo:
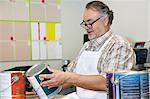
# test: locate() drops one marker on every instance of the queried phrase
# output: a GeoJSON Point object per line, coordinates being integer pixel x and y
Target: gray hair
{"type": "Point", "coordinates": [101, 8]}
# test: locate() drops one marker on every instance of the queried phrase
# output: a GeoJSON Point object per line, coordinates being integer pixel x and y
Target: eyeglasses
{"type": "Point", "coordinates": [84, 24]}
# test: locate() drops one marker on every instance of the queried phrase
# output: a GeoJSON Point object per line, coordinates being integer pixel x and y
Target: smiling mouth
{"type": "Point", "coordinates": [89, 32]}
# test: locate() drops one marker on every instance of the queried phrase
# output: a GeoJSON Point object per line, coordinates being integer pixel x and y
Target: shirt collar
{"type": "Point", "coordinates": [100, 40]}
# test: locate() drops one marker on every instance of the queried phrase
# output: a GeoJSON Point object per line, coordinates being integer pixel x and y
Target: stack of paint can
{"type": "Point", "coordinates": [147, 65]}
{"type": "Point", "coordinates": [12, 85]}
{"type": "Point", "coordinates": [128, 85]}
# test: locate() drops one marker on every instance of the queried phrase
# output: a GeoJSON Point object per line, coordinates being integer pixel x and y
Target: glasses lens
{"type": "Point", "coordinates": [84, 24]}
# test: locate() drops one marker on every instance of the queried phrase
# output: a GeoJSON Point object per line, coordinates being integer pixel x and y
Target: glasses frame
{"type": "Point", "coordinates": [84, 24]}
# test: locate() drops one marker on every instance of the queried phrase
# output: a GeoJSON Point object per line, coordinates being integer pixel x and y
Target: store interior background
{"type": "Point", "coordinates": [131, 20]}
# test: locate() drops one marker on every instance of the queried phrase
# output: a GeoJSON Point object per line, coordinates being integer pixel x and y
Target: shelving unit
{"type": "Point", "coordinates": [55, 63]}
{"type": "Point", "coordinates": [30, 32]}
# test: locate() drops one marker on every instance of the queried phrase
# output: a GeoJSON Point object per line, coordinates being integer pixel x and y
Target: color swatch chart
{"type": "Point", "coordinates": [30, 30]}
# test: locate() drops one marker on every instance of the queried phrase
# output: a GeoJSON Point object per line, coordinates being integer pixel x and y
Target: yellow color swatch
{"type": "Point", "coordinates": [50, 30]}
{"type": "Point", "coordinates": [58, 2]}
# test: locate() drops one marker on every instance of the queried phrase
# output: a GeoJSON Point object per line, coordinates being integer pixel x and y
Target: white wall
{"type": "Point", "coordinates": [131, 21]}
{"type": "Point", "coordinates": [71, 31]}
{"type": "Point", "coordinates": [131, 18]}
{"type": "Point", "coordinates": [149, 20]}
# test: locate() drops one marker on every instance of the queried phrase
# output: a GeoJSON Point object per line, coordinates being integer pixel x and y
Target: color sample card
{"type": "Point", "coordinates": [58, 34]}
{"type": "Point", "coordinates": [20, 10]}
{"type": "Point", "coordinates": [6, 10]}
{"type": "Point", "coordinates": [6, 30]}
{"type": "Point", "coordinates": [35, 50]}
{"type": "Point", "coordinates": [7, 51]}
{"type": "Point", "coordinates": [38, 11]}
{"type": "Point", "coordinates": [34, 31]}
{"type": "Point", "coordinates": [54, 50]}
{"type": "Point", "coordinates": [42, 30]}
{"type": "Point", "coordinates": [43, 50]}
{"type": "Point", "coordinates": [53, 13]}
{"type": "Point", "coordinates": [50, 31]}
{"type": "Point", "coordinates": [22, 31]}
{"type": "Point", "coordinates": [22, 50]}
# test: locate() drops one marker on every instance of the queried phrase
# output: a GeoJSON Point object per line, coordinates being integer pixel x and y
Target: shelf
{"type": "Point", "coordinates": [55, 63]}
{"type": "Point", "coordinates": [147, 65]}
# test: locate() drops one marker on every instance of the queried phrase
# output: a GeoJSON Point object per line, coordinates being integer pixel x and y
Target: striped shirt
{"type": "Point", "coordinates": [117, 54]}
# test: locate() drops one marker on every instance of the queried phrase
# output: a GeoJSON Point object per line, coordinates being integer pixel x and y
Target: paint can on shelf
{"type": "Point", "coordinates": [12, 85]}
{"type": "Point", "coordinates": [33, 76]}
{"type": "Point", "coordinates": [128, 85]}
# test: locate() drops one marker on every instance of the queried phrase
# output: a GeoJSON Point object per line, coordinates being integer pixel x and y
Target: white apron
{"type": "Point", "coordinates": [87, 65]}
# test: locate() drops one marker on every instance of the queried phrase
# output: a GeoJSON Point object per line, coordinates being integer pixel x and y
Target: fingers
{"type": "Point", "coordinates": [52, 70]}
{"type": "Point", "coordinates": [52, 80]}
{"type": "Point", "coordinates": [49, 83]}
{"type": "Point", "coordinates": [47, 80]}
{"type": "Point", "coordinates": [46, 76]}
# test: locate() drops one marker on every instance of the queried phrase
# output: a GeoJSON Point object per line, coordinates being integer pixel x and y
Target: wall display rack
{"type": "Point", "coordinates": [30, 32]}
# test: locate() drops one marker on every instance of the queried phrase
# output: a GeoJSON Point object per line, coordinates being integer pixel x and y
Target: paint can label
{"type": "Point", "coordinates": [12, 85]}
{"type": "Point", "coordinates": [131, 85]}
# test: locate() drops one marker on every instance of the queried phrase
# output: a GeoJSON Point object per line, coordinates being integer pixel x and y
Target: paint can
{"type": "Point", "coordinates": [128, 85]}
{"type": "Point", "coordinates": [149, 80]}
{"type": "Point", "coordinates": [12, 85]}
{"type": "Point", "coordinates": [33, 76]}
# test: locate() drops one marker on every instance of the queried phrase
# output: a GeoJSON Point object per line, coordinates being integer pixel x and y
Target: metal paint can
{"type": "Point", "coordinates": [12, 85]}
{"type": "Point", "coordinates": [149, 80]}
{"type": "Point", "coordinates": [33, 76]}
{"type": "Point", "coordinates": [128, 85]}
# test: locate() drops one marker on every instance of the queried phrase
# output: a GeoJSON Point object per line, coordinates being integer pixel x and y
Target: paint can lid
{"type": "Point", "coordinates": [35, 69]}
